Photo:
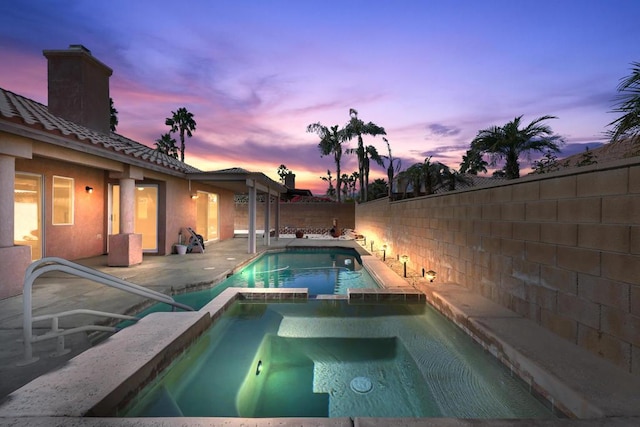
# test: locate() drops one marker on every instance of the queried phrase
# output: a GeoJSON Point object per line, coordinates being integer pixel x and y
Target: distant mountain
{"type": "Point", "coordinates": [629, 147]}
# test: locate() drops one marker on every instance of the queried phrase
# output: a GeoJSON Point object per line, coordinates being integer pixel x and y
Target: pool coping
{"type": "Point", "coordinates": [76, 390]}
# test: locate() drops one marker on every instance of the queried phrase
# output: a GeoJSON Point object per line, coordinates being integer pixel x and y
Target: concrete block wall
{"type": "Point", "coordinates": [562, 249]}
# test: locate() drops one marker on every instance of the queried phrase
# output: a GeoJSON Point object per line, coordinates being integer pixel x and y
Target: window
{"type": "Point", "coordinates": [62, 201]}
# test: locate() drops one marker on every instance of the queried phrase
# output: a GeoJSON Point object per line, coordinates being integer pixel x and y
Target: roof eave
{"type": "Point", "coordinates": [84, 147]}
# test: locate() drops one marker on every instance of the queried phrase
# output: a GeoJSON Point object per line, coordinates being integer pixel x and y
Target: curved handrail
{"type": "Point", "coordinates": [47, 264]}
{"type": "Point", "coordinates": [97, 273]}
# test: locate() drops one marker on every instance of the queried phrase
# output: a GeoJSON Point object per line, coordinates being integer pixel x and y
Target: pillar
{"type": "Point", "coordinates": [14, 260]}
{"type": "Point", "coordinates": [252, 220]}
{"type": "Point", "coordinates": [125, 249]}
{"type": "Point", "coordinates": [7, 184]}
{"type": "Point", "coordinates": [127, 205]}
{"type": "Point", "coordinates": [267, 220]}
{"type": "Point", "coordinates": [277, 217]}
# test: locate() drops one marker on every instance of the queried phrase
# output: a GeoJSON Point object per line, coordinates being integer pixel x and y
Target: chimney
{"type": "Point", "coordinates": [290, 181]}
{"type": "Point", "coordinates": [79, 87]}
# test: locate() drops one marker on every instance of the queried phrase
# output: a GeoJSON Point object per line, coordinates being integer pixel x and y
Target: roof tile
{"type": "Point", "coordinates": [36, 115]}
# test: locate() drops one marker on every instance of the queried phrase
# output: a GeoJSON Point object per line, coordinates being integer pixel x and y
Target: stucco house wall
{"type": "Point", "coordinates": [86, 236]}
{"type": "Point", "coordinates": [561, 249]}
{"type": "Point", "coordinates": [179, 211]}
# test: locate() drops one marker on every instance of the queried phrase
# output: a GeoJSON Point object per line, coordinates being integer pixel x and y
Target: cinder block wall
{"type": "Point", "coordinates": [562, 249]}
{"type": "Point", "coordinates": [308, 217]}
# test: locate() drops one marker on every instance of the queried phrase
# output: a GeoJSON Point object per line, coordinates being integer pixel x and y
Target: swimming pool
{"type": "Point", "coordinates": [333, 358]}
{"type": "Point", "coordinates": [323, 271]}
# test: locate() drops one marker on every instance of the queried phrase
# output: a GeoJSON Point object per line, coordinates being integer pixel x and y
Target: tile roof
{"type": "Point", "coordinates": [232, 170]}
{"type": "Point", "coordinates": [27, 112]}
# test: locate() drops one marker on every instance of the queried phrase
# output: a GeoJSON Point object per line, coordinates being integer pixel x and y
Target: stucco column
{"type": "Point", "coordinates": [14, 260]}
{"type": "Point", "coordinates": [127, 205]}
{"type": "Point", "coordinates": [125, 248]}
{"type": "Point", "coordinates": [7, 184]}
{"type": "Point", "coordinates": [267, 219]}
{"type": "Point", "coordinates": [277, 217]}
{"type": "Point", "coordinates": [252, 220]}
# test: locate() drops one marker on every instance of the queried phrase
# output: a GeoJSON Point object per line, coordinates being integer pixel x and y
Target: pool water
{"type": "Point", "coordinates": [330, 358]}
{"type": "Point", "coordinates": [323, 271]}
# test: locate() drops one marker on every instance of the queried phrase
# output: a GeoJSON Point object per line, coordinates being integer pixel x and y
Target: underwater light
{"type": "Point", "coordinates": [259, 367]}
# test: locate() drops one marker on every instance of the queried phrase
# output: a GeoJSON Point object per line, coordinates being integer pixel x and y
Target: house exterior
{"type": "Point", "coordinates": [70, 188]}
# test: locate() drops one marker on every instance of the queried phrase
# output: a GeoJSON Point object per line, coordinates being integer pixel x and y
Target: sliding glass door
{"type": "Point", "coordinates": [28, 230]}
{"type": "Point", "coordinates": [145, 214]}
{"type": "Point", "coordinates": [207, 215]}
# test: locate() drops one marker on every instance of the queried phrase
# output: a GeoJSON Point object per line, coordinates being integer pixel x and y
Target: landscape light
{"type": "Point", "coordinates": [404, 259]}
{"type": "Point", "coordinates": [431, 275]}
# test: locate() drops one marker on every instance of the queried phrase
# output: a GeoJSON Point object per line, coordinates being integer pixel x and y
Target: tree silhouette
{"type": "Point", "coordinates": [283, 172]}
{"type": "Point", "coordinates": [331, 191]}
{"type": "Point", "coordinates": [357, 128]}
{"type": "Point", "coordinates": [472, 163]}
{"type": "Point", "coordinates": [509, 141]}
{"type": "Point", "coordinates": [182, 122]}
{"type": "Point", "coordinates": [113, 116]}
{"type": "Point", "coordinates": [629, 105]}
{"type": "Point", "coordinates": [392, 168]}
{"type": "Point", "coordinates": [330, 143]}
{"type": "Point", "coordinates": [167, 145]}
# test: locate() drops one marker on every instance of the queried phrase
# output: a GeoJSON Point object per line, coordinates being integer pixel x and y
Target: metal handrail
{"type": "Point", "coordinates": [47, 264]}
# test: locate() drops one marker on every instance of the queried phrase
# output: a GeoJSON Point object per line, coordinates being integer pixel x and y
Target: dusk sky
{"type": "Point", "coordinates": [256, 73]}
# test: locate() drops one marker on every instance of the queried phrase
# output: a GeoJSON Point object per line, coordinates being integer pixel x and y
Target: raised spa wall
{"type": "Point", "coordinates": [561, 249]}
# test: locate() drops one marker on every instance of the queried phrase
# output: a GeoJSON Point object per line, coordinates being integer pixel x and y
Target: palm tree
{"type": "Point", "coordinates": [167, 145]}
{"type": "Point", "coordinates": [473, 162]}
{"type": "Point", "coordinates": [629, 105]}
{"type": "Point", "coordinates": [181, 121]}
{"type": "Point", "coordinates": [370, 153]}
{"type": "Point", "coordinates": [428, 174]}
{"type": "Point", "coordinates": [283, 172]}
{"type": "Point", "coordinates": [451, 177]}
{"type": "Point", "coordinates": [378, 189]}
{"type": "Point", "coordinates": [113, 116]}
{"type": "Point", "coordinates": [356, 128]}
{"type": "Point", "coordinates": [331, 191]}
{"type": "Point", "coordinates": [330, 143]}
{"type": "Point", "coordinates": [432, 175]}
{"type": "Point", "coordinates": [412, 175]}
{"type": "Point", "coordinates": [351, 182]}
{"type": "Point", "coordinates": [392, 168]}
{"type": "Point", "coordinates": [509, 141]}
{"type": "Point", "coordinates": [345, 188]}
